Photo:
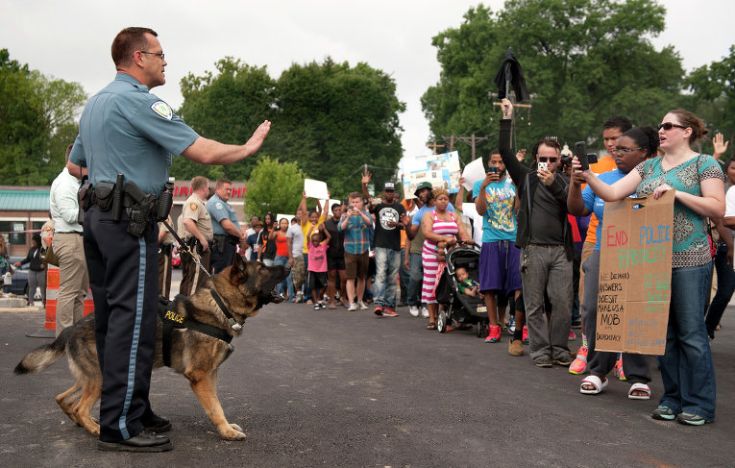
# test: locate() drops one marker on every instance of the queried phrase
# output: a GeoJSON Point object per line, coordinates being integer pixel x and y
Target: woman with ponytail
{"type": "Point", "coordinates": [686, 366]}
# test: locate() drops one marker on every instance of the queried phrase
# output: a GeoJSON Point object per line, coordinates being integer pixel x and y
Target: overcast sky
{"type": "Point", "coordinates": [71, 39]}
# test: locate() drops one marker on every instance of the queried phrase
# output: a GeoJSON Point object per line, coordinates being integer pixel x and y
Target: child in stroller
{"type": "Point", "coordinates": [458, 292]}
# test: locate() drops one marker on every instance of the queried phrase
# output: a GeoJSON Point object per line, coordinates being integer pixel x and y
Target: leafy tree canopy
{"type": "Point", "coordinates": [583, 60]}
{"type": "Point", "coordinates": [274, 186]}
{"type": "Point", "coordinates": [329, 117]}
{"type": "Point", "coordinates": [36, 123]}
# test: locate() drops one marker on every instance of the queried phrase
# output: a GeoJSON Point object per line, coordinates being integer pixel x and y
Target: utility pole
{"type": "Point", "coordinates": [472, 140]}
{"type": "Point", "coordinates": [435, 146]}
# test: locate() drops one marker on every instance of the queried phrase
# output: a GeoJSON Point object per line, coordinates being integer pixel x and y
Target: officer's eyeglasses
{"type": "Point", "coordinates": [161, 55]}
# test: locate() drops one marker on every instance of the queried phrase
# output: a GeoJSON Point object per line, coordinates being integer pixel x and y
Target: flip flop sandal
{"type": "Point", "coordinates": [639, 391]}
{"type": "Point", "coordinates": [431, 326]}
{"type": "Point", "coordinates": [598, 385]}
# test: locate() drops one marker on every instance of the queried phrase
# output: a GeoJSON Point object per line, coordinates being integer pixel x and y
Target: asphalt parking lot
{"type": "Point", "coordinates": [338, 388]}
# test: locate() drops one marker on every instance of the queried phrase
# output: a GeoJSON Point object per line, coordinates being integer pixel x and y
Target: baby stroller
{"type": "Point", "coordinates": [453, 305]}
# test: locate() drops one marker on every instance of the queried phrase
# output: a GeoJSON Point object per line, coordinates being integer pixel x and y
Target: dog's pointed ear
{"type": "Point", "coordinates": [239, 271]}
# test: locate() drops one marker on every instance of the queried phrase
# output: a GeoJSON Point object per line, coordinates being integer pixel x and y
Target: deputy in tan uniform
{"type": "Point", "coordinates": [195, 228]}
{"type": "Point", "coordinates": [165, 252]}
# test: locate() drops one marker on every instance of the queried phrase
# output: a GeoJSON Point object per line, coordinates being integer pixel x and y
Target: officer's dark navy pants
{"type": "Point", "coordinates": [123, 275]}
{"type": "Point", "coordinates": [223, 258]}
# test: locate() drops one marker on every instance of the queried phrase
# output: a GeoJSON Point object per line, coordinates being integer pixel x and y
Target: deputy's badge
{"type": "Point", "coordinates": [163, 109]}
{"type": "Point", "coordinates": [193, 206]}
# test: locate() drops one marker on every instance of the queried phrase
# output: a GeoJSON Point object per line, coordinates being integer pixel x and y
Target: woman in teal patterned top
{"type": "Point", "coordinates": [686, 366]}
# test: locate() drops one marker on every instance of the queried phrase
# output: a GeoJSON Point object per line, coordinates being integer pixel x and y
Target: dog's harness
{"type": "Point", "coordinates": [171, 320]}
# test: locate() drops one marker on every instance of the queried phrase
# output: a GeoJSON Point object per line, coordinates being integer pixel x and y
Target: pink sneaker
{"type": "Point", "coordinates": [572, 335]}
{"type": "Point", "coordinates": [493, 335]}
{"type": "Point", "coordinates": [524, 338]}
{"type": "Point", "coordinates": [579, 365]}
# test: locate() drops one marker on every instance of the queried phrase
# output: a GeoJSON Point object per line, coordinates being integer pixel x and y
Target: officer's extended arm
{"type": "Point", "coordinates": [206, 151]}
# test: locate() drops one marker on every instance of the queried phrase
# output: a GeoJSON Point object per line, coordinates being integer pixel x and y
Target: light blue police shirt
{"type": "Point", "coordinates": [126, 129]}
{"type": "Point", "coordinates": [219, 210]}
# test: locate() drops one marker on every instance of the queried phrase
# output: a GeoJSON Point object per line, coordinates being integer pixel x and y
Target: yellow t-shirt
{"type": "Point", "coordinates": [305, 228]}
{"type": "Point", "coordinates": [605, 164]}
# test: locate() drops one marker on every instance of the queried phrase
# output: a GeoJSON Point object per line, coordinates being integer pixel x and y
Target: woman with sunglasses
{"type": "Point", "coordinates": [686, 367]}
{"type": "Point", "coordinates": [631, 149]}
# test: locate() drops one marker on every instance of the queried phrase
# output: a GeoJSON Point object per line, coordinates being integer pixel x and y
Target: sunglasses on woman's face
{"type": "Point", "coordinates": [668, 126]}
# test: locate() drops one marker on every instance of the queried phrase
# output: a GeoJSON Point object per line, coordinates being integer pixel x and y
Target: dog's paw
{"type": "Point", "coordinates": [232, 432]}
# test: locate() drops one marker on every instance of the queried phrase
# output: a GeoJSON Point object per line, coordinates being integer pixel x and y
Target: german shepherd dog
{"type": "Point", "coordinates": [245, 287]}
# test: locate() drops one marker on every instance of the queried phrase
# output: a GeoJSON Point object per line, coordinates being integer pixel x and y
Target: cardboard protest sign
{"type": "Point", "coordinates": [316, 189]}
{"type": "Point", "coordinates": [635, 275]}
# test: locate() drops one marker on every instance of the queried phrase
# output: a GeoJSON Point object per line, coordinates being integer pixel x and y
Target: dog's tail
{"type": "Point", "coordinates": [43, 356]}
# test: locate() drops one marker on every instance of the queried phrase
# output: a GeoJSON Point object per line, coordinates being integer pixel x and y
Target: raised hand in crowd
{"type": "Point", "coordinates": [521, 154]}
{"type": "Point", "coordinates": [506, 108]}
{"type": "Point", "coordinates": [720, 145]}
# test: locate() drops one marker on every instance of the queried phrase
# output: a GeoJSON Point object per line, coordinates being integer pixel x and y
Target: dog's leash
{"type": "Point", "coordinates": [215, 295]}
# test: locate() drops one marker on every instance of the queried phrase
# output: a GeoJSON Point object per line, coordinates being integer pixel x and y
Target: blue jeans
{"type": "Point", "coordinates": [725, 289]}
{"type": "Point", "coordinates": [415, 277]}
{"type": "Point", "coordinates": [686, 367]}
{"type": "Point", "coordinates": [281, 287]}
{"type": "Point", "coordinates": [387, 263]}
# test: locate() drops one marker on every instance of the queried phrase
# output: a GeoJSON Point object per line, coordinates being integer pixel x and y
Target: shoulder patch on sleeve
{"type": "Point", "coordinates": [193, 206]}
{"type": "Point", "coordinates": [163, 109]}
{"type": "Point", "coordinates": [219, 205]}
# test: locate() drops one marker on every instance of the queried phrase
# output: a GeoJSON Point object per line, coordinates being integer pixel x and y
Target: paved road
{"type": "Point", "coordinates": [334, 388]}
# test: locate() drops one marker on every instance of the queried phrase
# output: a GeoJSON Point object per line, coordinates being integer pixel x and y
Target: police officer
{"type": "Point", "coordinates": [126, 130]}
{"type": "Point", "coordinates": [195, 228]}
{"type": "Point", "coordinates": [227, 233]}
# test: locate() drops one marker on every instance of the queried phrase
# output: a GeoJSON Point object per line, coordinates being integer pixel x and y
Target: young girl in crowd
{"type": "Point", "coordinates": [317, 250]}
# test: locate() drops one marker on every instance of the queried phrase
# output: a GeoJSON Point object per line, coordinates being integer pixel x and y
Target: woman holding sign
{"type": "Point", "coordinates": [632, 148]}
{"type": "Point", "coordinates": [686, 367]}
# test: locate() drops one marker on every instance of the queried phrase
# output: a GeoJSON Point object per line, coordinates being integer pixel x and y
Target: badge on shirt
{"type": "Point", "coordinates": [193, 206]}
{"type": "Point", "coordinates": [163, 109]}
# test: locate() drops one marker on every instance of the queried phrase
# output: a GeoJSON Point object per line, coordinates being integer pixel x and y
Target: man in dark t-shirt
{"type": "Point", "coordinates": [336, 279]}
{"type": "Point", "coordinates": [389, 220]}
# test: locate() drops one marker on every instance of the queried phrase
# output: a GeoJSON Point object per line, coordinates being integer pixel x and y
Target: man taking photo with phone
{"type": "Point", "coordinates": [500, 271]}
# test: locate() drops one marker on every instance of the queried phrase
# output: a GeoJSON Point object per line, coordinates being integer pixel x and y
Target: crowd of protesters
{"type": "Point", "coordinates": [539, 254]}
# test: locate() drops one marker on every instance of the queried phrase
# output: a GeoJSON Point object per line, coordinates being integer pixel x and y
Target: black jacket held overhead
{"type": "Point", "coordinates": [526, 183]}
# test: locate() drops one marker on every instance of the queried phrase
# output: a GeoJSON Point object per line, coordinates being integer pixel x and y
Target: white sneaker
{"type": "Point", "coordinates": [424, 312]}
{"type": "Point", "coordinates": [363, 306]}
{"type": "Point", "coordinates": [413, 310]}
{"type": "Point", "coordinates": [352, 307]}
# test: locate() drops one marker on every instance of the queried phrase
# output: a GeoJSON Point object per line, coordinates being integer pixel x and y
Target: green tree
{"type": "Point", "coordinates": [227, 106]}
{"type": "Point", "coordinates": [274, 186]}
{"type": "Point", "coordinates": [713, 97]}
{"type": "Point", "coordinates": [583, 60]}
{"type": "Point", "coordinates": [329, 117]}
{"type": "Point", "coordinates": [36, 122]}
{"type": "Point", "coordinates": [341, 117]}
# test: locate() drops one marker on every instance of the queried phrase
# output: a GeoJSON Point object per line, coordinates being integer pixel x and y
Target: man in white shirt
{"type": "Point", "coordinates": [68, 245]}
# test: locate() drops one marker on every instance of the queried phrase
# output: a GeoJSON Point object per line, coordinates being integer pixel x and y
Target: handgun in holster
{"type": "Point", "coordinates": [139, 206]}
{"type": "Point", "coordinates": [84, 196]}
